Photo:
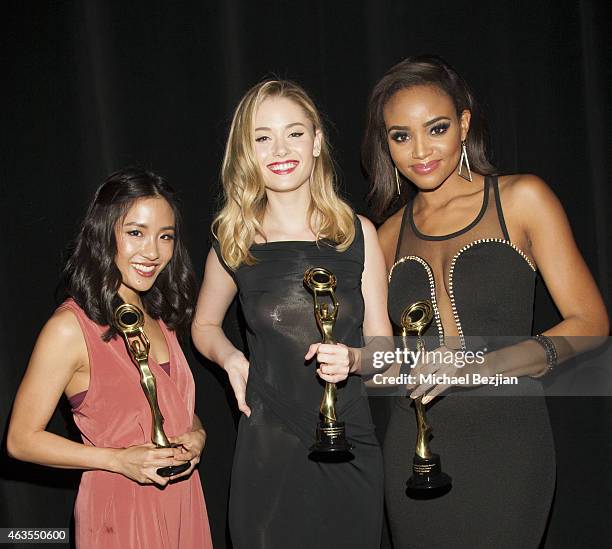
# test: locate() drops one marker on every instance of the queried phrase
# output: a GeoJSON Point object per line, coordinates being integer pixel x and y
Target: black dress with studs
{"type": "Point", "coordinates": [279, 497]}
{"type": "Point", "coordinates": [498, 449]}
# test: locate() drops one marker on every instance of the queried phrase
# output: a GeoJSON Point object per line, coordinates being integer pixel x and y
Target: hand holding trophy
{"type": "Point", "coordinates": [331, 437]}
{"type": "Point", "coordinates": [427, 480]}
{"type": "Point", "coordinates": [129, 320]}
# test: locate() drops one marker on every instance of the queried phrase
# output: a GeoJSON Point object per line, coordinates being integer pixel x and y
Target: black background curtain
{"type": "Point", "coordinates": [91, 86]}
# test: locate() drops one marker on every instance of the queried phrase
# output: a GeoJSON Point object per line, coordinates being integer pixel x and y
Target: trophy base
{"type": "Point", "coordinates": [331, 443]}
{"type": "Point", "coordinates": [173, 469]}
{"type": "Point", "coordinates": [427, 480]}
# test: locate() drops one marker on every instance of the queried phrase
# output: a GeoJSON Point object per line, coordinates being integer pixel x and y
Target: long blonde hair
{"type": "Point", "coordinates": [244, 196]}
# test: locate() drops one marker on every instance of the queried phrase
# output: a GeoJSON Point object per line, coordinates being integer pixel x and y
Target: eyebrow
{"type": "Point", "coordinates": [286, 127]}
{"type": "Point", "coordinates": [428, 123]}
{"type": "Point", "coordinates": [145, 226]}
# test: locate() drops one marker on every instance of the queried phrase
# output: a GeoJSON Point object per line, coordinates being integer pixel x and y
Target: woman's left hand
{"type": "Point", "coordinates": [448, 371]}
{"type": "Point", "coordinates": [189, 448]}
{"type": "Point", "coordinates": [336, 361]}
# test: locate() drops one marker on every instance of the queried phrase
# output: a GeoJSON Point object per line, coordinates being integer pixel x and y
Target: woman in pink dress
{"type": "Point", "coordinates": [128, 250]}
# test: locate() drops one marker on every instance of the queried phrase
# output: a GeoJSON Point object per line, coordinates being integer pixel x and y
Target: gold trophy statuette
{"type": "Point", "coordinates": [129, 320]}
{"type": "Point", "coordinates": [427, 480]}
{"type": "Point", "coordinates": [331, 436]}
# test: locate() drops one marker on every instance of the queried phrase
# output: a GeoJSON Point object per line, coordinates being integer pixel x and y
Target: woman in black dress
{"type": "Point", "coordinates": [471, 242]}
{"type": "Point", "coordinates": [282, 216]}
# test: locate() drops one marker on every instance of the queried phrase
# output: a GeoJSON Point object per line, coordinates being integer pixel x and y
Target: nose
{"type": "Point", "coordinates": [150, 248]}
{"type": "Point", "coordinates": [279, 147]}
{"type": "Point", "coordinates": [421, 148]}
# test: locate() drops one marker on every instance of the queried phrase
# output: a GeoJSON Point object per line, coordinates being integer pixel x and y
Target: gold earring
{"type": "Point", "coordinates": [464, 158]}
{"type": "Point", "coordinates": [397, 182]}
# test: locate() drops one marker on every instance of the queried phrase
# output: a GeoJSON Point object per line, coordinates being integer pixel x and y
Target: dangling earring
{"type": "Point", "coordinates": [397, 182]}
{"type": "Point", "coordinates": [315, 155]}
{"type": "Point", "coordinates": [464, 158]}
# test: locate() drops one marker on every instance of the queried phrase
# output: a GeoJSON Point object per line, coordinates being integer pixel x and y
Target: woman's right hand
{"type": "Point", "coordinates": [140, 463]}
{"type": "Point", "coordinates": [237, 368]}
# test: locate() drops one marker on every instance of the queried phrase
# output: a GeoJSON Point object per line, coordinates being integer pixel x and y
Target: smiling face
{"type": "Point", "coordinates": [424, 134]}
{"type": "Point", "coordinates": [145, 244]}
{"type": "Point", "coordinates": [286, 144]}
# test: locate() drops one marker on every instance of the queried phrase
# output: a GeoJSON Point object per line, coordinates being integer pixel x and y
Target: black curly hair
{"type": "Point", "coordinates": [91, 276]}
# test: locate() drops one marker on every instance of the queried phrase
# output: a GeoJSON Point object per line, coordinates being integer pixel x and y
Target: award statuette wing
{"type": "Point", "coordinates": [331, 437]}
{"type": "Point", "coordinates": [129, 320]}
{"type": "Point", "coordinates": [427, 480]}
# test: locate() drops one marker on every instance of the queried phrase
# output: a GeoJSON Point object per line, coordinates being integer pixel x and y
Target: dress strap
{"type": "Point", "coordinates": [359, 241]}
{"type": "Point", "coordinates": [469, 227]}
{"type": "Point", "coordinates": [217, 247]}
{"type": "Point", "coordinates": [498, 205]}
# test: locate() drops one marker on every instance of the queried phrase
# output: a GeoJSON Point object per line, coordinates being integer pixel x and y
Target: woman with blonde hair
{"type": "Point", "coordinates": [281, 216]}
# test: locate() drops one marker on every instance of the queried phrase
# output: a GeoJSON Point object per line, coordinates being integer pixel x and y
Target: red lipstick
{"type": "Point", "coordinates": [283, 168]}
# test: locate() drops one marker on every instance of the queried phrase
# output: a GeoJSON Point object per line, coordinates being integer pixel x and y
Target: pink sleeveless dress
{"type": "Point", "coordinates": [112, 511]}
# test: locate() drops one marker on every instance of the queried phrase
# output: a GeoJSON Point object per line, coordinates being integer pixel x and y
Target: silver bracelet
{"type": "Point", "coordinates": [551, 352]}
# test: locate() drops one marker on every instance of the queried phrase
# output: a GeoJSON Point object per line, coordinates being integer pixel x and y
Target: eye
{"type": "Point", "coordinates": [400, 137]}
{"type": "Point", "coordinates": [168, 237]}
{"type": "Point", "coordinates": [134, 232]}
{"type": "Point", "coordinates": [296, 134]}
{"type": "Point", "coordinates": [439, 129]}
{"type": "Point", "coordinates": [262, 138]}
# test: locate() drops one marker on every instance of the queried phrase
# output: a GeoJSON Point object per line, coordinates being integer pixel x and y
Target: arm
{"type": "Point", "coordinates": [59, 356]}
{"type": "Point", "coordinates": [537, 220]}
{"type": "Point", "coordinates": [388, 236]}
{"type": "Point", "coordinates": [377, 330]}
{"type": "Point", "coordinates": [191, 445]}
{"type": "Point", "coordinates": [374, 285]}
{"type": "Point", "coordinates": [559, 260]}
{"type": "Point", "coordinates": [337, 361]}
{"type": "Point", "coordinates": [216, 294]}
{"type": "Point", "coordinates": [538, 216]}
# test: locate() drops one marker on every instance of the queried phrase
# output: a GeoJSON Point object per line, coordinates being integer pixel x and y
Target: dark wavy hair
{"type": "Point", "coordinates": [91, 276]}
{"type": "Point", "coordinates": [422, 70]}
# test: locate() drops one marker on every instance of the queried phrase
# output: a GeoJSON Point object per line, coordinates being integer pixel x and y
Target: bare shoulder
{"type": "Point", "coordinates": [367, 226]}
{"type": "Point", "coordinates": [370, 240]}
{"type": "Point", "coordinates": [530, 207]}
{"type": "Point", "coordinates": [526, 192]}
{"type": "Point", "coordinates": [62, 333]}
{"type": "Point", "coordinates": [64, 324]}
{"type": "Point", "coordinates": [388, 234]}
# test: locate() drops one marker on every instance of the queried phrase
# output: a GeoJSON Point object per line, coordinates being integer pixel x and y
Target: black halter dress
{"type": "Point", "coordinates": [280, 498]}
{"type": "Point", "coordinates": [498, 449]}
